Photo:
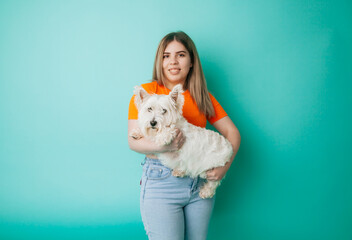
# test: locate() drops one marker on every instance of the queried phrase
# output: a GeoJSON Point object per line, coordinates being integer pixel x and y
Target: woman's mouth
{"type": "Point", "coordinates": [174, 70]}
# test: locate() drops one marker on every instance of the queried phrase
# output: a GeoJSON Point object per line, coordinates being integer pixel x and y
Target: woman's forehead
{"type": "Point", "coordinates": [175, 46]}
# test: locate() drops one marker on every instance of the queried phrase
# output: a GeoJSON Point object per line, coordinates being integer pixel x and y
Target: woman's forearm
{"type": "Point", "coordinates": [144, 146]}
{"type": "Point", "coordinates": [234, 138]}
{"type": "Point", "coordinates": [228, 129]}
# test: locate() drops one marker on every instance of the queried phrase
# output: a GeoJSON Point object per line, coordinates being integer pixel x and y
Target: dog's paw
{"type": "Point", "coordinates": [206, 192]}
{"type": "Point", "coordinates": [168, 139]}
{"type": "Point", "coordinates": [178, 173]}
{"type": "Point", "coordinates": [136, 134]}
{"type": "Point", "coordinates": [163, 140]}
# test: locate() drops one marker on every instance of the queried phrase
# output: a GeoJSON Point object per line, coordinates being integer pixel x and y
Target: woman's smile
{"type": "Point", "coordinates": [174, 71]}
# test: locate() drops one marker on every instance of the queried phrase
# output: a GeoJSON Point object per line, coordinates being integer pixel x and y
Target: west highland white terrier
{"type": "Point", "coordinates": [158, 118]}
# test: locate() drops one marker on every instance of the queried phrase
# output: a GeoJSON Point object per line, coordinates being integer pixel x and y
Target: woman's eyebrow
{"type": "Point", "coordinates": [176, 52]}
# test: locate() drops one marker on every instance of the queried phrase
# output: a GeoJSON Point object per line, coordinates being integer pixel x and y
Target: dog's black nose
{"type": "Point", "coordinates": [153, 123]}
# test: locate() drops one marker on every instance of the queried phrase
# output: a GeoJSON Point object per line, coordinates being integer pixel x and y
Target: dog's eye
{"type": "Point", "coordinates": [150, 109]}
{"type": "Point", "coordinates": [164, 111]}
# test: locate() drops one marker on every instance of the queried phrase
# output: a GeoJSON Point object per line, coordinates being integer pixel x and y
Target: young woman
{"type": "Point", "coordinates": [171, 207]}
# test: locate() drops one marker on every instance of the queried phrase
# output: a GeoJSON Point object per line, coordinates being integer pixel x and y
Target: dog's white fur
{"type": "Point", "coordinates": [203, 149]}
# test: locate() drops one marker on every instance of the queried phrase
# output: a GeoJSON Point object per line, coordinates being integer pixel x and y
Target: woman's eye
{"type": "Point", "coordinates": [182, 55]}
{"type": "Point", "coordinates": [164, 111]}
{"type": "Point", "coordinates": [150, 109]}
{"type": "Point", "coordinates": [165, 56]}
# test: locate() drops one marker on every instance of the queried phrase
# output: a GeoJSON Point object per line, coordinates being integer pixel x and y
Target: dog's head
{"type": "Point", "coordinates": [156, 112]}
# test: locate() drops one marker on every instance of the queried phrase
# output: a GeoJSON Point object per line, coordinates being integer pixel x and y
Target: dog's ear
{"type": "Point", "coordinates": [177, 96]}
{"type": "Point", "coordinates": [141, 96]}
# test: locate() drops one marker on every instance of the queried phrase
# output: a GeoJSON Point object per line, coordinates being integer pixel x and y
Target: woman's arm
{"type": "Point", "coordinates": [228, 129]}
{"type": "Point", "coordinates": [146, 146]}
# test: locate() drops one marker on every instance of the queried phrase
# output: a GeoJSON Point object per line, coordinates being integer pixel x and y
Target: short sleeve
{"type": "Point", "coordinates": [219, 111]}
{"type": "Point", "coordinates": [132, 110]}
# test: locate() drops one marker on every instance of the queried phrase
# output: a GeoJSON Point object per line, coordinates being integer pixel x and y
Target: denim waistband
{"type": "Point", "coordinates": [152, 161]}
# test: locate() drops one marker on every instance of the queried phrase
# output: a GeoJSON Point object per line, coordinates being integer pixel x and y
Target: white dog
{"type": "Point", "coordinates": [158, 118]}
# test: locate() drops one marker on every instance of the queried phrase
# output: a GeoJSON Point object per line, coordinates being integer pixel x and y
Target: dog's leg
{"type": "Point", "coordinates": [178, 173]}
{"type": "Point", "coordinates": [208, 189]}
{"type": "Point", "coordinates": [136, 133]}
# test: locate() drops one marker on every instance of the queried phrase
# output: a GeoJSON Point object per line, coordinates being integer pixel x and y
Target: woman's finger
{"type": "Point", "coordinates": [180, 134]}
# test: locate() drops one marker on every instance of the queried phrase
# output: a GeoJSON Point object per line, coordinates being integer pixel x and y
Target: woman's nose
{"type": "Point", "coordinates": [173, 60]}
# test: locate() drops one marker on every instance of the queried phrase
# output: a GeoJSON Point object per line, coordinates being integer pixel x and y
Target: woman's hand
{"type": "Point", "coordinates": [216, 174]}
{"type": "Point", "coordinates": [177, 143]}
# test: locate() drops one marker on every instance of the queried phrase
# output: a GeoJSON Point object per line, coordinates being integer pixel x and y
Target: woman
{"type": "Point", "coordinates": [171, 207]}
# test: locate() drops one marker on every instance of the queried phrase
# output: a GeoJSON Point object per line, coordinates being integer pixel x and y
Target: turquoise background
{"type": "Point", "coordinates": [281, 69]}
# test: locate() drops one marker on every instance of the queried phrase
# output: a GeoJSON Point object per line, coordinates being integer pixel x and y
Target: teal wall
{"type": "Point", "coordinates": [281, 69]}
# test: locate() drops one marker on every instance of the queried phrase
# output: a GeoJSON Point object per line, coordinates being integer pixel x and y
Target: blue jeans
{"type": "Point", "coordinates": [171, 208]}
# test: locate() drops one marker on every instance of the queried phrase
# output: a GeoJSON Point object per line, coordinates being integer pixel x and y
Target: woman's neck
{"type": "Point", "coordinates": [170, 85]}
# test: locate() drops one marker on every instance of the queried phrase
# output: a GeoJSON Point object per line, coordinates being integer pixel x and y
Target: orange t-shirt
{"type": "Point", "coordinates": [190, 110]}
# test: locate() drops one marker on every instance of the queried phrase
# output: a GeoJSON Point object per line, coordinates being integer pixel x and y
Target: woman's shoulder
{"type": "Point", "coordinates": [150, 87]}
{"type": "Point", "coordinates": [154, 87]}
{"type": "Point", "coordinates": [212, 98]}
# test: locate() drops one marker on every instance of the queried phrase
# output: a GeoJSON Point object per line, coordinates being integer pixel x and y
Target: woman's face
{"type": "Point", "coordinates": [176, 64]}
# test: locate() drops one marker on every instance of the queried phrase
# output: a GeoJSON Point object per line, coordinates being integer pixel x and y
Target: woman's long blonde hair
{"type": "Point", "coordinates": [195, 81]}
